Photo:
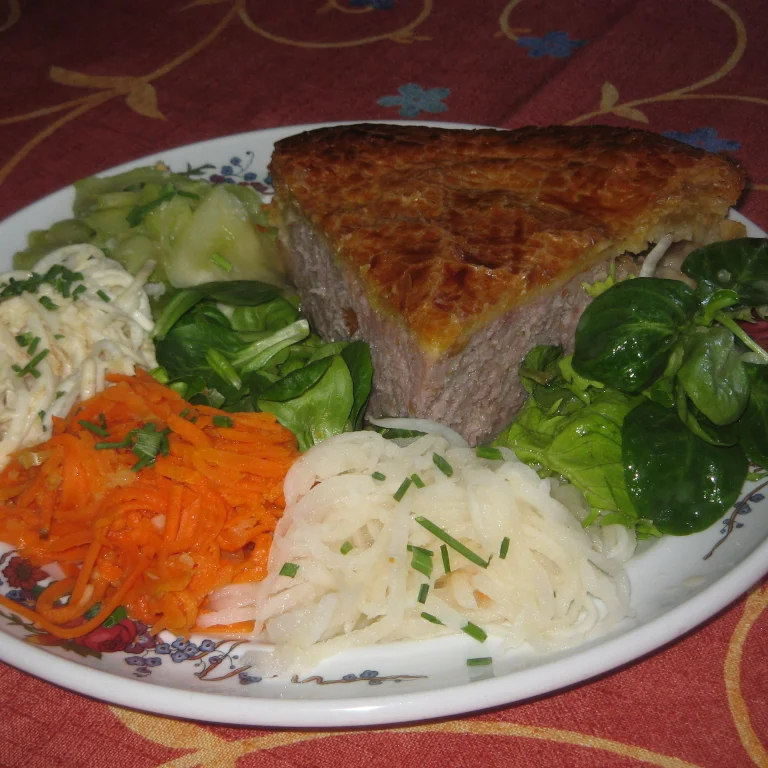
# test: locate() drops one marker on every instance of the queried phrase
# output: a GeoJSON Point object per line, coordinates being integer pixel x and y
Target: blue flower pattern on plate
{"type": "Point", "coordinates": [741, 509]}
{"type": "Point", "coordinates": [557, 45]}
{"type": "Point", "coordinates": [236, 172]}
{"type": "Point", "coordinates": [704, 138]}
{"type": "Point", "coordinates": [208, 656]}
{"type": "Point", "coordinates": [413, 100]}
{"type": "Point", "coordinates": [246, 679]}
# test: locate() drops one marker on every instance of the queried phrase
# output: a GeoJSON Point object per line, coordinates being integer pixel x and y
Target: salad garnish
{"type": "Point", "coordinates": [664, 403]}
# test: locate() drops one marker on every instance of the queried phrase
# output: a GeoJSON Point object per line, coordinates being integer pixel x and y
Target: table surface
{"type": "Point", "coordinates": [88, 85]}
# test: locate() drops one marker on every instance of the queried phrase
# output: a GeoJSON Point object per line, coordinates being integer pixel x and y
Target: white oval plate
{"type": "Point", "coordinates": [675, 587]}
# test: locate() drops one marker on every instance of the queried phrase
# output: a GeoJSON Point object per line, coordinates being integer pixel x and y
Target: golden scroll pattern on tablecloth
{"type": "Point", "coordinates": [13, 14]}
{"type": "Point", "coordinates": [141, 96]}
{"type": "Point", "coordinates": [204, 748]}
{"type": "Point", "coordinates": [197, 745]}
{"type": "Point", "coordinates": [207, 750]}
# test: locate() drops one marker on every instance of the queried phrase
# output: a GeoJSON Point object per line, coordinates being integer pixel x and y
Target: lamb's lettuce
{"type": "Point", "coordinates": [241, 345]}
{"type": "Point", "coordinates": [573, 429]}
{"type": "Point", "coordinates": [314, 402]}
{"type": "Point", "coordinates": [677, 479]}
{"type": "Point", "coordinates": [753, 425]}
{"type": "Point", "coordinates": [737, 265]}
{"type": "Point", "coordinates": [714, 376]}
{"type": "Point", "coordinates": [626, 334]}
{"type": "Point", "coordinates": [665, 399]}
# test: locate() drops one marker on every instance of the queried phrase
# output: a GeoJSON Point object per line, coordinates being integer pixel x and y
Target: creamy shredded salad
{"type": "Point", "coordinates": [353, 562]}
{"type": "Point", "coordinates": [63, 327]}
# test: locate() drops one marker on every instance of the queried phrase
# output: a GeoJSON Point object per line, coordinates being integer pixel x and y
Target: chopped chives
{"type": "Point", "coordinates": [41, 414]}
{"type": "Point", "coordinates": [221, 262]}
{"type": "Point", "coordinates": [345, 547]}
{"type": "Point", "coordinates": [422, 561]}
{"type": "Point", "coordinates": [429, 617]}
{"type": "Point", "coordinates": [80, 289]}
{"type": "Point", "coordinates": [417, 481]}
{"type": "Point", "coordinates": [222, 421]}
{"type": "Point", "coordinates": [378, 476]}
{"type": "Point", "coordinates": [442, 464]}
{"type": "Point", "coordinates": [138, 212]}
{"type": "Point", "coordinates": [24, 339]}
{"type": "Point", "coordinates": [404, 486]}
{"type": "Point", "coordinates": [289, 570]}
{"type": "Point", "coordinates": [17, 368]}
{"type": "Point", "coordinates": [414, 548]}
{"type": "Point", "coordinates": [483, 661]}
{"type": "Point", "coordinates": [504, 548]}
{"type": "Point", "coordinates": [160, 374]}
{"type": "Point", "coordinates": [144, 461]}
{"type": "Point", "coordinates": [58, 336]}
{"type": "Point", "coordinates": [148, 443]}
{"type": "Point", "coordinates": [59, 394]}
{"type": "Point", "coordinates": [103, 421]}
{"type": "Point", "coordinates": [103, 296]}
{"type": "Point", "coordinates": [423, 592]}
{"type": "Point", "coordinates": [34, 345]}
{"type": "Point", "coordinates": [184, 413]}
{"type": "Point", "coordinates": [30, 367]}
{"type": "Point", "coordinates": [48, 303]}
{"type": "Point", "coordinates": [486, 452]}
{"type": "Point", "coordinates": [451, 542]}
{"type": "Point", "coordinates": [95, 428]}
{"type": "Point", "coordinates": [446, 559]}
{"type": "Point", "coordinates": [190, 195]}
{"type": "Point", "coordinates": [474, 631]}
{"type": "Point", "coordinates": [126, 442]}
{"type": "Point", "coordinates": [179, 386]}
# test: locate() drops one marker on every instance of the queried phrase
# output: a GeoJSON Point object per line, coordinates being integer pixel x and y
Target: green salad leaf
{"type": "Point", "coordinates": [357, 356]}
{"type": "Point", "coordinates": [314, 402]}
{"type": "Point", "coordinates": [626, 334]}
{"type": "Point", "coordinates": [753, 426]}
{"type": "Point", "coordinates": [241, 345]}
{"type": "Point", "coordinates": [665, 400]}
{"type": "Point", "coordinates": [574, 436]}
{"type": "Point", "coordinates": [739, 265]}
{"type": "Point", "coordinates": [714, 376]}
{"type": "Point", "coordinates": [675, 478]}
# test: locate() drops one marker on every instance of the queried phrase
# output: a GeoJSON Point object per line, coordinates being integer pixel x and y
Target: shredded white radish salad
{"type": "Point", "coordinates": [63, 327]}
{"type": "Point", "coordinates": [353, 561]}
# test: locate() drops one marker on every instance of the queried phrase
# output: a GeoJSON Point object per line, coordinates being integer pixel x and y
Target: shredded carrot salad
{"type": "Point", "coordinates": [155, 535]}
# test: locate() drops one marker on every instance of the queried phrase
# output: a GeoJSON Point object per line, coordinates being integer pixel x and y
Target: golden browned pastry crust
{"type": "Point", "coordinates": [448, 229]}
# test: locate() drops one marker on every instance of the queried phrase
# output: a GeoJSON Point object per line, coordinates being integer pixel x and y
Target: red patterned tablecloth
{"type": "Point", "coordinates": [88, 85]}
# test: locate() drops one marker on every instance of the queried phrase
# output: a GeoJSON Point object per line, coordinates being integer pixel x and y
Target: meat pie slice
{"type": "Point", "coordinates": [453, 252]}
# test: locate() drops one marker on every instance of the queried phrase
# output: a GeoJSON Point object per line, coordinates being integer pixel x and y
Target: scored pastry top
{"type": "Point", "coordinates": [448, 229]}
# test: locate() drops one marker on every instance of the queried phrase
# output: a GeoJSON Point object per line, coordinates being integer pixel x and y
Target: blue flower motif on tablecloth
{"type": "Point", "coordinates": [413, 100]}
{"type": "Point", "coordinates": [558, 45]}
{"type": "Point", "coordinates": [377, 5]}
{"type": "Point", "coordinates": [704, 138]}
